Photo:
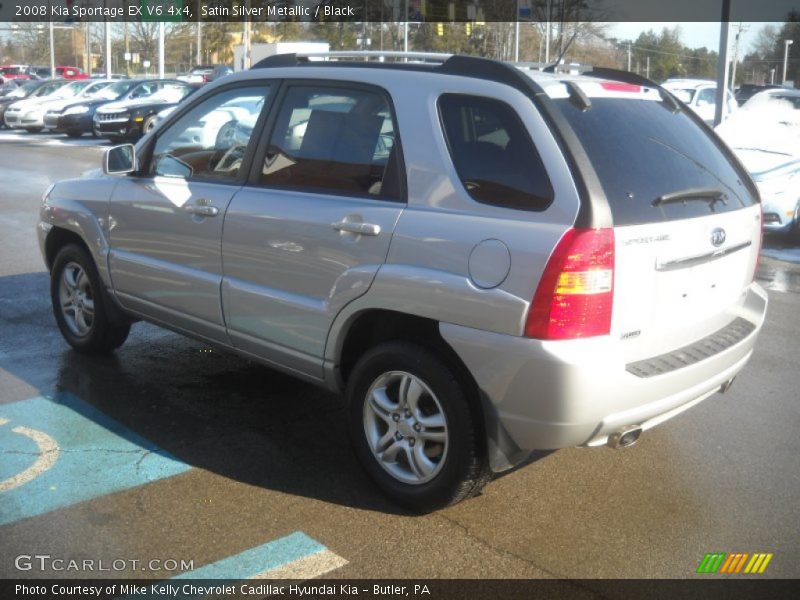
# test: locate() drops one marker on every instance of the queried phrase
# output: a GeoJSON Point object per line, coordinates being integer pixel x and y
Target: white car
{"type": "Point", "coordinates": [701, 96]}
{"type": "Point", "coordinates": [53, 108]}
{"type": "Point", "coordinates": [29, 114]}
{"type": "Point", "coordinates": [765, 135]}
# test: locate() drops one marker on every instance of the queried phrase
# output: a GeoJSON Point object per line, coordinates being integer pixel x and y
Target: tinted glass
{"type": "Point", "coordinates": [493, 154]}
{"type": "Point", "coordinates": [210, 141]}
{"type": "Point", "coordinates": [336, 140]}
{"type": "Point", "coordinates": [642, 151]}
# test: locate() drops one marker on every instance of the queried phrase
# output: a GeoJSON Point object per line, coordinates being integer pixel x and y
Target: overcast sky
{"type": "Point", "coordinates": [694, 35]}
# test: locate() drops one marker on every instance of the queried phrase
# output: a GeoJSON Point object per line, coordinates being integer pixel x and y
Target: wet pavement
{"type": "Point", "coordinates": [185, 453]}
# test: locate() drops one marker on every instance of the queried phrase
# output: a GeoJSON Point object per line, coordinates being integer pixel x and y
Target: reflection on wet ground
{"type": "Point", "coordinates": [780, 264]}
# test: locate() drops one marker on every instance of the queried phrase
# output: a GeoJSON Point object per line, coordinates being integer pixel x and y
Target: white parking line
{"type": "Point", "coordinates": [308, 567]}
{"type": "Point", "coordinates": [48, 455]}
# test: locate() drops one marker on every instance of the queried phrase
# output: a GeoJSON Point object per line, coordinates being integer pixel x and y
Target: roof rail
{"type": "Point", "coordinates": [294, 59]}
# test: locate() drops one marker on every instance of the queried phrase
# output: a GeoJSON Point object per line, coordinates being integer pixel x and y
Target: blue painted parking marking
{"type": "Point", "coordinates": [60, 451]}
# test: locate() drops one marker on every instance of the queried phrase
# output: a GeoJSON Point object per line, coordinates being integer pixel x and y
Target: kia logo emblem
{"type": "Point", "coordinates": [718, 236]}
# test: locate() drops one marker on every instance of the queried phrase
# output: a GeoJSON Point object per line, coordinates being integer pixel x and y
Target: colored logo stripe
{"type": "Point", "coordinates": [758, 563]}
{"type": "Point", "coordinates": [723, 563]}
{"type": "Point", "coordinates": [711, 562]}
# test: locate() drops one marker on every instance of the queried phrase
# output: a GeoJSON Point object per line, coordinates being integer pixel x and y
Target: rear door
{"type": "Point", "coordinates": [166, 223]}
{"type": "Point", "coordinates": [686, 219]}
{"type": "Point", "coordinates": [311, 230]}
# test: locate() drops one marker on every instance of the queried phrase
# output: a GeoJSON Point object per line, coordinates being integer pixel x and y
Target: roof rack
{"type": "Point", "coordinates": [352, 57]}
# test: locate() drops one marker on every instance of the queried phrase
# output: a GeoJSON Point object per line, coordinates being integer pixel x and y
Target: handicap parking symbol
{"type": "Point", "coordinates": [58, 451]}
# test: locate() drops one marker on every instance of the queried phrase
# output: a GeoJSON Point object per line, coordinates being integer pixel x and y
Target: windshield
{"type": "Point", "coordinates": [114, 91]}
{"type": "Point", "coordinates": [173, 93]}
{"type": "Point", "coordinates": [71, 89]}
{"type": "Point", "coordinates": [642, 151]}
{"type": "Point", "coordinates": [23, 90]}
{"type": "Point", "coordinates": [11, 71]}
{"type": "Point", "coordinates": [48, 88]}
{"type": "Point", "coordinates": [95, 89]}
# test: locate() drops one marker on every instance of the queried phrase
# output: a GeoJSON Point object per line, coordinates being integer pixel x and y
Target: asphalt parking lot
{"type": "Point", "coordinates": [169, 450]}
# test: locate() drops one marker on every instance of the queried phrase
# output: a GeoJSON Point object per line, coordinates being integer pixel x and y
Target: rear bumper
{"type": "Point", "coordinates": [549, 395]}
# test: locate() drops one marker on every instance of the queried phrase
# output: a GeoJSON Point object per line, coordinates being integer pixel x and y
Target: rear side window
{"type": "Point", "coordinates": [642, 151]}
{"type": "Point", "coordinates": [493, 154]}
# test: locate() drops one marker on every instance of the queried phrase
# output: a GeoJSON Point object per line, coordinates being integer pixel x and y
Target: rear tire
{"type": "Point", "coordinates": [412, 428]}
{"type": "Point", "coordinates": [33, 129]}
{"type": "Point", "coordinates": [79, 304]}
{"type": "Point", "coordinates": [75, 133]}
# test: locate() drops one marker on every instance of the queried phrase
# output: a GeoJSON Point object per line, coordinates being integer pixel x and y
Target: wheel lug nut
{"type": "Point", "coordinates": [417, 427]}
{"type": "Point", "coordinates": [411, 441]}
{"type": "Point", "coordinates": [398, 436]}
{"type": "Point", "coordinates": [408, 414]}
{"type": "Point", "coordinates": [395, 417]}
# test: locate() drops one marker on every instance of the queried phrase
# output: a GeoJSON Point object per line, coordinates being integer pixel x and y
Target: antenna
{"type": "Point", "coordinates": [552, 68]}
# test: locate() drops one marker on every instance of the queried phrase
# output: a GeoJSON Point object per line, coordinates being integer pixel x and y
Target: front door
{"type": "Point", "coordinates": [165, 223]}
{"type": "Point", "coordinates": [310, 233]}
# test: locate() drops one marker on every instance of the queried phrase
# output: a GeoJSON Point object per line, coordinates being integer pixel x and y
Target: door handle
{"type": "Point", "coordinates": [359, 228]}
{"type": "Point", "coordinates": [202, 210]}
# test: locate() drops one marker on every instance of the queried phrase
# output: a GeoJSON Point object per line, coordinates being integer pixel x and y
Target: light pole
{"type": "Point", "coordinates": [786, 44]}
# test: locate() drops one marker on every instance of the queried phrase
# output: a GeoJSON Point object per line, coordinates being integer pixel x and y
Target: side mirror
{"type": "Point", "coordinates": [120, 160]}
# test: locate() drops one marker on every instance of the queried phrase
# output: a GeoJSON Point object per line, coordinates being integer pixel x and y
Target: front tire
{"type": "Point", "coordinates": [79, 304]}
{"type": "Point", "coordinates": [412, 428]}
{"type": "Point", "coordinates": [74, 133]}
{"type": "Point", "coordinates": [149, 124]}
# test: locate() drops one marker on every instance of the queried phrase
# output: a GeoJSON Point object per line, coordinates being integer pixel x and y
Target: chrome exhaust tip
{"type": "Point", "coordinates": [624, 438]}
{"type": "Point", "coordinates": [726, 386]}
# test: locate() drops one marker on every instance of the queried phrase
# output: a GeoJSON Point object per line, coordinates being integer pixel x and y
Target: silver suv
{"type": "Point", "coordinates": [484, 260]}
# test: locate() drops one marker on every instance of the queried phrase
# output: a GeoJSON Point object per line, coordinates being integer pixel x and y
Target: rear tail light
{"type": "Point", "coordinates": [576, 292]}
{"type": "Point", "coordinates": [205, 78]}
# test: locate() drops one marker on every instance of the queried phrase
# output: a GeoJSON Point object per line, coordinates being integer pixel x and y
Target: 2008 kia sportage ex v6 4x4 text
{"type": "Point", "coordinates": [485, 260]}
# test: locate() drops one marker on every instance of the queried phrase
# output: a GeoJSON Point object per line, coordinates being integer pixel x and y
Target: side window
{"type": "Point", "coordinates": [707, 97]}
{"type": "Point", "coordinates": [335, 140]}
{"type": "Point", "coordinates": [493, 154]}
{"type": "Point", "coordinates": [210, 141]}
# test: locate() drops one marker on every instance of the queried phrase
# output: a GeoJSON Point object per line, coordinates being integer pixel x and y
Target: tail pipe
{"type": "Point", "coordinates": [624, 438]}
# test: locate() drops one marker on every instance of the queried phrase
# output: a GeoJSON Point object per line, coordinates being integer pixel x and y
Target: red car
{"type": "Point", "coordinates": [9, 72]}
{"type": "Point", "coordinates": [70, 73]}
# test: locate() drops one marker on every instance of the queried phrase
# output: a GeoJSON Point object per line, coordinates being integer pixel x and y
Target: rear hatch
{"type": "Point", "coordinates": [687, 222]}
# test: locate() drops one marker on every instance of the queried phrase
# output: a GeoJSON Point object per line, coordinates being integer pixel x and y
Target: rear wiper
{"type": "Point", "coordinates": [710, 195]}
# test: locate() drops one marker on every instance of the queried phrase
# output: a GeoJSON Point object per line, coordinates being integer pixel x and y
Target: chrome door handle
{"type": "Point", "coordinates": [359, 228]}
{"type": "Point", "coordinates": [202, 210]}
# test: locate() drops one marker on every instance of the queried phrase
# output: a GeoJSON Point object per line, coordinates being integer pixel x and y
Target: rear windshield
{"type": "Point", "coordinates": [642, 152]}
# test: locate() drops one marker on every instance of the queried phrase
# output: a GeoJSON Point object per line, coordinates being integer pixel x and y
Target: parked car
{"type": "Point", "coordinates": [70, 73]}
{"type": "Point", "coordinates": [765, 135]}
{"type": "Point", "coordinates": [8, 86]}
{"type": "Point", "coordinates": [54, 108]}
{"type": "Point", "coordinates": [131, 119]}
{"type": "Point", "coordinates": [28, 114]}
{"type": "Point", "coordinates": [76, 118]}
{"type": "Point", "coordinates": [13, 72]}
{"type": "Point", "coordinates": [104, 76]}
{"type": "Point", "coordinates": [748, 90]}
{"type": "Point", "coordinates": [28, 89]}
{"type": "Point", "coordinates": [455, 248]}
{"type": "Point", "coordinates": [197, 74]}
{"type": "Point", "coordinates": [701, 96]}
